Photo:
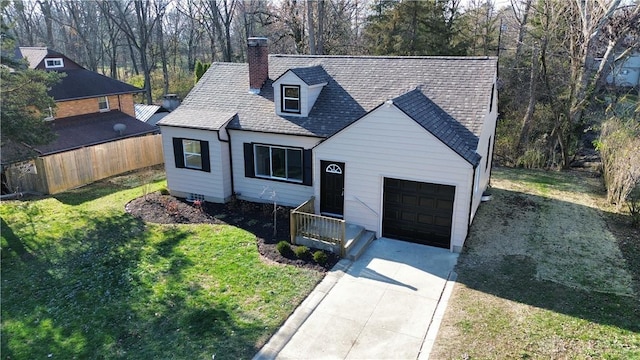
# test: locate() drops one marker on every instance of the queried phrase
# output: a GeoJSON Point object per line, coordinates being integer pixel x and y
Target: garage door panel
{"type": "Point", "coordinates": [418, 212]}
{"type": "Point", "coordinates": [425, 218]}
{"type": "Point", "coordinates": [427, 202]}
{"type": "Point", "coordinates": [442, 221]}
{"type": "Point", "coordinates": [409, 200]}
{"type": "Point", "coordinates": [444, 204]}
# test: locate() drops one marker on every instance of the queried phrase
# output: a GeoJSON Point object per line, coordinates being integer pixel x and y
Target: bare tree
{"type": "Point", "coordinates": [138, 32]}
{"type": "Point", "coordinates": [592, 20]}
{"type": "Point", "coordinates": [311, 27]}
{"type": "Point", "coordinates": [160, 7]}
{"type": "Point", "coordinates": [45, 8]}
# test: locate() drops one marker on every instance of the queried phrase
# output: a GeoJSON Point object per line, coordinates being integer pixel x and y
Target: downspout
{"type": "Point", "coordinates": [473, 185]}
{"type": "Point", "coordinates": [495, 127]}
{"type": "Point", "coordinates": [233, 188]}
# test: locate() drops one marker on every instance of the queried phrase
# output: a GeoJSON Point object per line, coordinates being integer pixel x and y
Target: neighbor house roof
{"type": "Point", "coordinates": [461, 86]}
{"type": "Point", "coordinates": [198, 119]}
{"type": "Point", "coordinates": [91, 129]}
{"type": "Point", "coordinates": [79, 83]}
{"type": "Point", "coordinates": [439, 123]}
{"type": "Point", "coordinates": [35, 55]}
{"type": "Point", "coordinates": [150, 114]}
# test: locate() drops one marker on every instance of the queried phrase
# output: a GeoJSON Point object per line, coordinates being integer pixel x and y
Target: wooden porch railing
{"type": "Point", "coordinates": [317, 227]}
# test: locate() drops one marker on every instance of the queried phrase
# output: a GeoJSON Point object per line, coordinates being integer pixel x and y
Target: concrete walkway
{"type": "Point", "coordinates": [386, 305]}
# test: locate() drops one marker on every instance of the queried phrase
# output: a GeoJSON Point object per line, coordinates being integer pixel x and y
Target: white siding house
{"type": "Point", "coordinates": [396, 147]}
{"type": "Point", "coordinates": [400, 146]}
{"type": "Point", "coordinates": [213, 185]}
{"type": "Point", "coordinates": [260, 189]}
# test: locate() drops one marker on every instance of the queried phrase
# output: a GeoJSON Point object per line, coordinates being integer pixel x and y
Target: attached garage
{"type": "Point", "coordinates": [418, 212]}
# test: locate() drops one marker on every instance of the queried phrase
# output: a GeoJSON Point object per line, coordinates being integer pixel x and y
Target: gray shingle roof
{"type": "Point", "coordinates": [90, 129]}
{"type": "Point", "coordinates": [461, 86]}
{"type": "Point", "coordinates": [313, 75]}
{"type": "Point", "coordinates": [435, 120]}
{"type": "Point", "coordinates": [197, 118]}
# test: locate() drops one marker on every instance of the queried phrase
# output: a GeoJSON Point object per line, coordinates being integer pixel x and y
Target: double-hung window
{"type": "Point", "coordinates": [191, 154]}
{"type": "Point", "coordinates": [277, 162]}
{"type": "Point", "coordinates": [103, 103]}
{"type": "Point", "coordinates": [291, 99]}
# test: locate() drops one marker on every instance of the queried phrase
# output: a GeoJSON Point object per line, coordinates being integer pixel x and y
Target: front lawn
{"type": "Point", "coordinates": [83, 279]}
{"type": "Point", "coordinates": [547, 273]}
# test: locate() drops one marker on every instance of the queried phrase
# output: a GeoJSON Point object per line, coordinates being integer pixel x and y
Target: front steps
{"type": "Point", "coordinates": [357, 240]}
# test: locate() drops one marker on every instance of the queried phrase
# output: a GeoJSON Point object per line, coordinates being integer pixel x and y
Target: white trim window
{"type": "Point", "coordinates": [192, 154]}
{"type": "Point", "coordinates": [53, 63]}
{"type": "Point", "coordinates": [276, 162]}
{"type": "Point", "coordinates": [291, 99]}
{"type": "Point", "coordinates": [103, 103]}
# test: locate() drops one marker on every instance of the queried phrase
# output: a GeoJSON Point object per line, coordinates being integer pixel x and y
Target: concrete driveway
{"type": "Point", "coordinates": [386, 305]}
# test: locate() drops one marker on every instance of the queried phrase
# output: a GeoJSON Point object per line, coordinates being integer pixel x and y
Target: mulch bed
{"type": "Point", "coordinates": [255, 218]}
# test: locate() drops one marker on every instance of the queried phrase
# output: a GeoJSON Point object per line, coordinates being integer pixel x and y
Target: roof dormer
{"type": "Point", "coordinates": [295, 91]}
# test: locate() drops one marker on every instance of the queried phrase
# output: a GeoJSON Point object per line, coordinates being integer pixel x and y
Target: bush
{"type": "Point", "coordinates": [532, 159]}
{"type": "Point", "coordinates": [618, 145]}
{"type": "Point", "coordinates": [320, 257]}
{"type": "Point", "coordinates": [284, 248]}
{"type": "Point", "coordinates": [302, 252]}
{"type": "Point", "coordinates": [164, 191]}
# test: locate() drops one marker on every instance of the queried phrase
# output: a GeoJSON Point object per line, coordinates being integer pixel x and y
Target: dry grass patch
{"type": "Point", "coordinates": [553, 218]}
{"type": "Point", "coordinates": [542, 276]}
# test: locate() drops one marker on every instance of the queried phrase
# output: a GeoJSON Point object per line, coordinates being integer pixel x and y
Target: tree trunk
{"type": "Point", "coordinates": [522, 29]}
{"type": "Point", "coordinates": [321, 21]}
{"type": "Point", "coordinates": [523, 141]}
{"type": "Point", "coordinates": [163, 52]}
{"type": "Point", "coordinates": [45, 7]}
{"type": "Point", "coordinates": [312, 28]}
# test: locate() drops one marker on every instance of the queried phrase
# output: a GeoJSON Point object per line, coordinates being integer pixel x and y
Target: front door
{"type": "Point", "coordinates": [332, 188]}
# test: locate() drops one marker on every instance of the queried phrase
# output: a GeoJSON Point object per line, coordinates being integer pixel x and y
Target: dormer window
{"type": "Point", "coordinates": [53, 63]}
{"type": "Point", "coordinates": [296, 91]}
{"type": "Point", "coordinates": [291, 99]}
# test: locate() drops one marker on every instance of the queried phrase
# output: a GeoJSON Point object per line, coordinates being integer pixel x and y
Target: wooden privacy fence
{"type": "Point", "coordinates": [59, 172]}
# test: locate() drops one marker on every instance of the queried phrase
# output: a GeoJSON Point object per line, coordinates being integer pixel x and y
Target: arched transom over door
{"type": "Point", "coordinates": [332, 188]}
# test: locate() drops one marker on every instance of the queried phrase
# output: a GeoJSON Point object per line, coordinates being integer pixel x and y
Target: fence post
{"type": "Point", "coordinates": [292, 226]}
{"type": "Point", "coordinates": [344, 232]}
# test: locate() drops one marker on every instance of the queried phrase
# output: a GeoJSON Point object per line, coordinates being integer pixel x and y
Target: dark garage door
{"type": "Point", "coordinates": [418, 212]}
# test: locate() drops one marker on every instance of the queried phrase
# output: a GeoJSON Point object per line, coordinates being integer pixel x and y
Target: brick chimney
{"type": "Point", "coordinates": [258, 57]}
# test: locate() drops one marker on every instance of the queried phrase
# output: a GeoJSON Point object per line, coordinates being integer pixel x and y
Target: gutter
{"type": "Point", "coordinates": [473, 180]}
{"type": "Point", "coordinates": [97, 95]}
{"type": "Point", "coordinates": [96, 143]}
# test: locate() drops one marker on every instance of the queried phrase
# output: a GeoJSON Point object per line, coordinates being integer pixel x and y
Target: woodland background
{"type": "Point", "coordinates": [554, 56]}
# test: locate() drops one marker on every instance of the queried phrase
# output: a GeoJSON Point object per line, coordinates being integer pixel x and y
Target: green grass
{"type": "Point", "coordinates": [542, 276]}
{"type": "Point", "coordinates": [83, 279]}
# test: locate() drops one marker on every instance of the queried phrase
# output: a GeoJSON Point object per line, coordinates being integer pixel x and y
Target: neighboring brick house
{"type": "Point", "coordinates": [89, 104]}
{"type": "Point", "coordinates": [91, 108]}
